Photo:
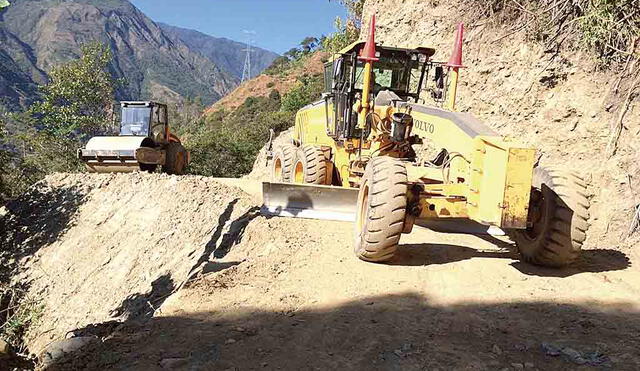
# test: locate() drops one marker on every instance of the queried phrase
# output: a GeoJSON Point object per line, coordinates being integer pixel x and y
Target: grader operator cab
{"type": "Point", "coordinates": [374, 152]}
{"type": "Point", "coordinates": [145, 142]}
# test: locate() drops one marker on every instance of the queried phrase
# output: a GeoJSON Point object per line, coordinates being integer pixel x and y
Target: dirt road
{"type": "Point", "coordinates": [289, 294]}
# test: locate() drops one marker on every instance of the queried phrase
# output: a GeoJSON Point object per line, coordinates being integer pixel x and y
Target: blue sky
{"type": "Point", "coordinates": [279, 24]}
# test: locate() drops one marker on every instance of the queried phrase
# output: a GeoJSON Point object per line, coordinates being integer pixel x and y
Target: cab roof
{"type": "Point", "coordinates": [356, 46]}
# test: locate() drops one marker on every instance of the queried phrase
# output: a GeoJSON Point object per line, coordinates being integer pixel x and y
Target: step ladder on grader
{"type": "Point", "coordinates": [373, 152]}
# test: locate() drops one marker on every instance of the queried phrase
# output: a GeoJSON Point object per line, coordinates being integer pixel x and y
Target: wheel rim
{"type": "Point", "coordinates": [363, 203]}
{"type": "Point", "coordinates": [277, 169]}
{"type": "Point", "coordinates": [536, 214]}
{"type": "Point", "coordinates": [299, 173]}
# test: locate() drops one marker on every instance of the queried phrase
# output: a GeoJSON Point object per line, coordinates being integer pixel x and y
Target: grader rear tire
{"type": "Point", "coordinates": [310, 166]}
{"type": "Point", "coordinates": [283, 161]}
{"type": "Point", "coordinates": [176, 159]}
{"type": "Point", "coordinates": [381, 210]}
{"type": "Point", "coordinates": [559, 209]}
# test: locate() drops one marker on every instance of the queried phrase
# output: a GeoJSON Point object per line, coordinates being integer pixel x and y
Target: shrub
{"type": "Point", "coordinates": [227, 143]}
{"type": "Point", "coordinates": [604, 27]}
{"type": "Point", "coordinates": [306, 91]}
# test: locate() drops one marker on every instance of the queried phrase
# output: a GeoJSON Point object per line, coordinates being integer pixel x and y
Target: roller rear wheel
{"type": "Point", "coordinates": [176, 159]}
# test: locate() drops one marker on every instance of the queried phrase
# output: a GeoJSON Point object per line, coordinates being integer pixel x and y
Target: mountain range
{"type": "Point", "coordinates": [156, 61]}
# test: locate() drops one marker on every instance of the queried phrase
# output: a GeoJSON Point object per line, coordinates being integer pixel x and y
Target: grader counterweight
{"type": "Point", "coordinates": [372, 131]}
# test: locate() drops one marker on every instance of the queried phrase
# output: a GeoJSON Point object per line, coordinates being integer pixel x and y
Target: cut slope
{"type": "Point", "coordinates": [293, 296]}
{"type": "Point", "coordinates": [93, 248]}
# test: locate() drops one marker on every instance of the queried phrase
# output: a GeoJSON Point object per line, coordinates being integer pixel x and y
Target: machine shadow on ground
{"type": "Point", "coordinates": [590, 261]}
{"type": "Point", "coordinates": [390, 332]}
{"type": "Point", "coordinates": [224, 236]}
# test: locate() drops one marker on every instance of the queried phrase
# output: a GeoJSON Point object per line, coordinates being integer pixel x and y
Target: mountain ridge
{"type": "Point", "coordinates": [36, 35]}
{"type": "Point", "coordinates": [233, 55]}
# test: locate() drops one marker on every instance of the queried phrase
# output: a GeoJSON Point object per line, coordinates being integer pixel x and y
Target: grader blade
{"type": "Point", "coordinates": [309, 201]}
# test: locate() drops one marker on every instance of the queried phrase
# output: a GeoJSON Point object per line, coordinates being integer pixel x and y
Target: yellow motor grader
{"type": "Point", "coordinates": [145, 142]}
{"type": "Point", "coordinates": [373, 152]}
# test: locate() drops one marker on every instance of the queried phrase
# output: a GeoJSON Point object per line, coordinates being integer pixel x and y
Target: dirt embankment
{"type": "Point", "coordinates": [92, 248]}
{"type": "Point", "coordinates": [108, 257]}
{"type": "Point", "coordinates": [289, 294]}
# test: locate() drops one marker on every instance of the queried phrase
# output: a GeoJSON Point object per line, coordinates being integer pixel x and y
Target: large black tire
{"type": "Point", "coordinates": [559, 212]}
{"type": "Point", "coordinates": [282, 164]}
{"type": "Point", "coordinates": [381, 210]}
{"type": "Point", "coordinates": [176, 159]}
{"type": "Point", "coordinates": [310, 166]}
{"type": "Point", "coordinates": [149, 168]}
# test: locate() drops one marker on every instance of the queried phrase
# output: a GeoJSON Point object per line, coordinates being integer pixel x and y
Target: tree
{"type": "Point", "coordinates": [309, 44]}
{"type": "Point", "coordinates": [292, 54]}
{"type": "Point", "coordinates": [355, 9]}
{"type": "Point", "coordinates": [76, 104]}
{"type": "Point", "coordinates": [78, 100]}
{"type": "Point", "coordinates": [346, 33]}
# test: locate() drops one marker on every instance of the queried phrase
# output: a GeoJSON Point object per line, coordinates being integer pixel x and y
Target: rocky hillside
{"type": "Point", "coordinates": [559, 101]}
{"type": "Point", "coordinates": [264, 84]}
{"type": "Point", "coordinates": [226, 54]}
{"type": "Point", "coordinates": [36, 35]}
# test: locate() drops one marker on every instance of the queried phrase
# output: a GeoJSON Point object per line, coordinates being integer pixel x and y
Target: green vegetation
{"type": "Point", "coordinates": [75, 105]}
{"type": "Point", "coordinates": [294, 57]}
{"type": "Point", "coordinates": [78, 99]}
{"type": "Point", "coordinates": [346, 33]}
{"type": "Point", "coordinates": [17, 313]}
{"type": "Point", "coordinates": [608, 28]}
{"type": "Point", "coordinates": [347, 30]}
{"type": "Point", "coordinates": [307, 90]}
{"type": "Point", "coordinates": [227, 143]}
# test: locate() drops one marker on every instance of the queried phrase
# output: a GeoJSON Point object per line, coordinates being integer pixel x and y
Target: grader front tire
{"type": "Point", "coordinates": [381, 210]}
{"type": "Point", "coordinates": [283, 161]}
{"type": "Point", "coordinates": [560, 213]}
{"type": "Point", "coordinates": [310, 166]}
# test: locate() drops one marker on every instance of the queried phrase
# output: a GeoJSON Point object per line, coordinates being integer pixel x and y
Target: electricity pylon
{"type": "Point", "coordinates": [246, 70]}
